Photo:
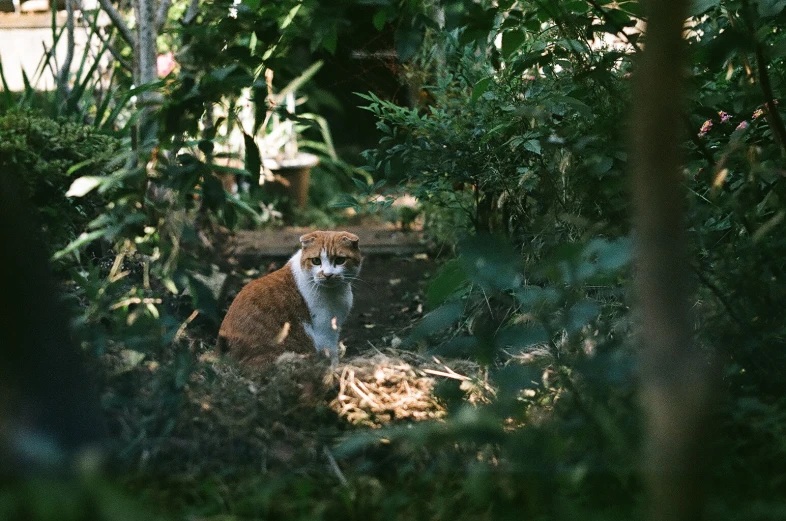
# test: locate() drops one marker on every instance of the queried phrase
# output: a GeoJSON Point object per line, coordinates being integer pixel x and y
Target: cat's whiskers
{"type": "Point", "coordinates": [351, 279]}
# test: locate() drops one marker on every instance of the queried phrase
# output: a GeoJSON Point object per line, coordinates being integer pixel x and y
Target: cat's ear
{"type": "Point", "coordinates": [350, 238]}
{"type": "Point", "coordinates": [307, 239]}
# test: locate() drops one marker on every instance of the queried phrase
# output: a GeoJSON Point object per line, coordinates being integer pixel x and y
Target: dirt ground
{"type": "Point", "coordinates": [388, 297]}
{"type": "Point", "coordinates": [388, 300]}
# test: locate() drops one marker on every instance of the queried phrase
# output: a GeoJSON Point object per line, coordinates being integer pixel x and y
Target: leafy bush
{"type": "Point", "coordinates": [524, 154]}
{"type": "Point", "coordinates": [47, 155]}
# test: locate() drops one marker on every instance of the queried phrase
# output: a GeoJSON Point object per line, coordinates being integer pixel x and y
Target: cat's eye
{"type": "Point", "coordinates": [338, 261]}
{"type": "Point", "coordinates": [316, 261]}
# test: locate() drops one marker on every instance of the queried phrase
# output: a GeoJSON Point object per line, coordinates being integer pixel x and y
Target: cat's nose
{"type": "Point", "coordinates": [329, 275]}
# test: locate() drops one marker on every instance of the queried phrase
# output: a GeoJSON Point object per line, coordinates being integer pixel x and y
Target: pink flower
{"type": "Point", "coordinates": [705, 128]}
{"type": "Point", "coordinates": [724, 116]}
{"type": "Point", "coordinates": [758, 113]}
{"type": "Point", "coordinates": [165, 63]}
{"type": "Point", "coordinates": [742, 126]}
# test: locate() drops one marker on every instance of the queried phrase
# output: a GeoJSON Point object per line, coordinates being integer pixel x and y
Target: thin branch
{"type": "Point", "coordinates": [161, 15]}
{"type": "Point", "coordinates": [191, 12]}
{"type": "Point", "coordinates": [104, 40]}
{"type": "Point", "coordinates": [119, 22]}
{"type": "Point", "coordinates": [114, 52]}
{"type": "Point", "coordinates": [719, 295]}
{"type": "Point", "coordinates": [62, 76]}
{"type": "Point", "coordinates": [772, 114]}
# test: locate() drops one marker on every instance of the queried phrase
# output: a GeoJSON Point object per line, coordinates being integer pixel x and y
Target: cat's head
{"type": "Point", "coordinates": [330, 258]}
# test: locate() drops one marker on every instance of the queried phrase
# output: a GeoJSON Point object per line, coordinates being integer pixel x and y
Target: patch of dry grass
{"type": "Point", "coordinates": [380, 387]}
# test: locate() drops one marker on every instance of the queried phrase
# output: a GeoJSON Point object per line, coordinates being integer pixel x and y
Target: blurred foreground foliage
{"type": "Point", "coordinates": [516, 148]}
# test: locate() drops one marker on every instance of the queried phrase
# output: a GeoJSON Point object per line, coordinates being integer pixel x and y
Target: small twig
{"type": "Point", "coordinates": [374, 347]}
{"type": "Point", "coordinates": [718, 294]}
{"type": "Point", "coordinates": [134, 300]}
{"type": "Point", "coordinates": [363, 395]}
{"type": "Point", "coordinates": [182, 329]}
{"type": "Point", "coordinates": [454, 376]}
{"type": "Point", "coordinates": [334, 466]}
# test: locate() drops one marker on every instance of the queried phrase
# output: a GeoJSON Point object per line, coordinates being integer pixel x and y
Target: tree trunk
{"type": "Point", "coordinates": [146, 54]}
{"type": "Point", "coordinates": [674, 377]}
{"type": "Point", "coordinates": [45, 394]}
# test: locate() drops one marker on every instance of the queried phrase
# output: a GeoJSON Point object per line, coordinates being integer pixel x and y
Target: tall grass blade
{"type": "Point", "coordinates": [8, 97]}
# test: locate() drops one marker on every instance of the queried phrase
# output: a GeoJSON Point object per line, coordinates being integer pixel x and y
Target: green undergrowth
{"type": "Point", "coordinates": [200, 437]}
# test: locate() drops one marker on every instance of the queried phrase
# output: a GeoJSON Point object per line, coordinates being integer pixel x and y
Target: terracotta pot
{"type": "Point", "coordinates": [296, 174]}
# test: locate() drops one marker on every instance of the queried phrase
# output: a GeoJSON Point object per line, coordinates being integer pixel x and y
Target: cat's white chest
{"type": "Point", "coordinates": [328, 310]}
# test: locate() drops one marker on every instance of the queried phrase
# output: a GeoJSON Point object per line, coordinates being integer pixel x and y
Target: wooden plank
{"type": "Point", "coordinates": [380, 240]}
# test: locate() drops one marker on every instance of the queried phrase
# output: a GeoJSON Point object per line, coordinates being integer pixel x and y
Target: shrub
{"type": "Point", "coordinates": [48, 155]}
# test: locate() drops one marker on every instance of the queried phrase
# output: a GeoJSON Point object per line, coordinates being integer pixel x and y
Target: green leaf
{"type": "Point", "coordinates": [512, 41]}
{"type": "Point", "coordinates": [407, 42]}
{"type": "Point", "coordinates": [533, 145]}
{"type": "Point", "coordinates": [224, 72]}
{"type": "Point", "coordinates": [521, 338]}
{"type": "Point", "coordinates": [253, 158]}
{"type": "Point", "coordinates": [9, 97]}
{"type": "Point", "coordinates": [450, 278]}
{"type": "Point", "coordinates": [699, 7]}
{"type": "Point", "coordinates": [610, 255]}
{"type": "Point", "coordinates": [438, 320]}
{"type": "Point", "coordinates": [491, 262]}
{"type": "Point", "coordinates": [581, 314]}
{"type": "Point", "coordinates": [130, 359]}
{"type": "Point", "coordinates": [535, 296]}
{"type": "Point", "coordinates": [480, 87]}
{"type": "Point", "coordinates": [203, 299]}
{"type": "Point", "coordinates": [330, 40]}
{"type": "Point", "coordinates": [599, 165]}
{"type": "Point", "coordinates": [361, 184]}
{"type": "Point", "coordinates": [77, 243]}
{"type": "Point", "coordinates": [347, 201]}
{"type": "Point", "coordinates": [380, 17]}
{"type": "Point", "coordinates": [769, 8]}
{"type": "Point", "coordinates": [301, 80]}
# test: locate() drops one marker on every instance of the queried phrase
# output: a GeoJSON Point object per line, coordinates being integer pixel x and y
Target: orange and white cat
{"type": "Point", "coordinates": [300, 307]}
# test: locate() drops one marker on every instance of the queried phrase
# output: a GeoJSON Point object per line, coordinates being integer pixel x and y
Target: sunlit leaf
{"type": "Point", "coordinates": [83, 185]}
